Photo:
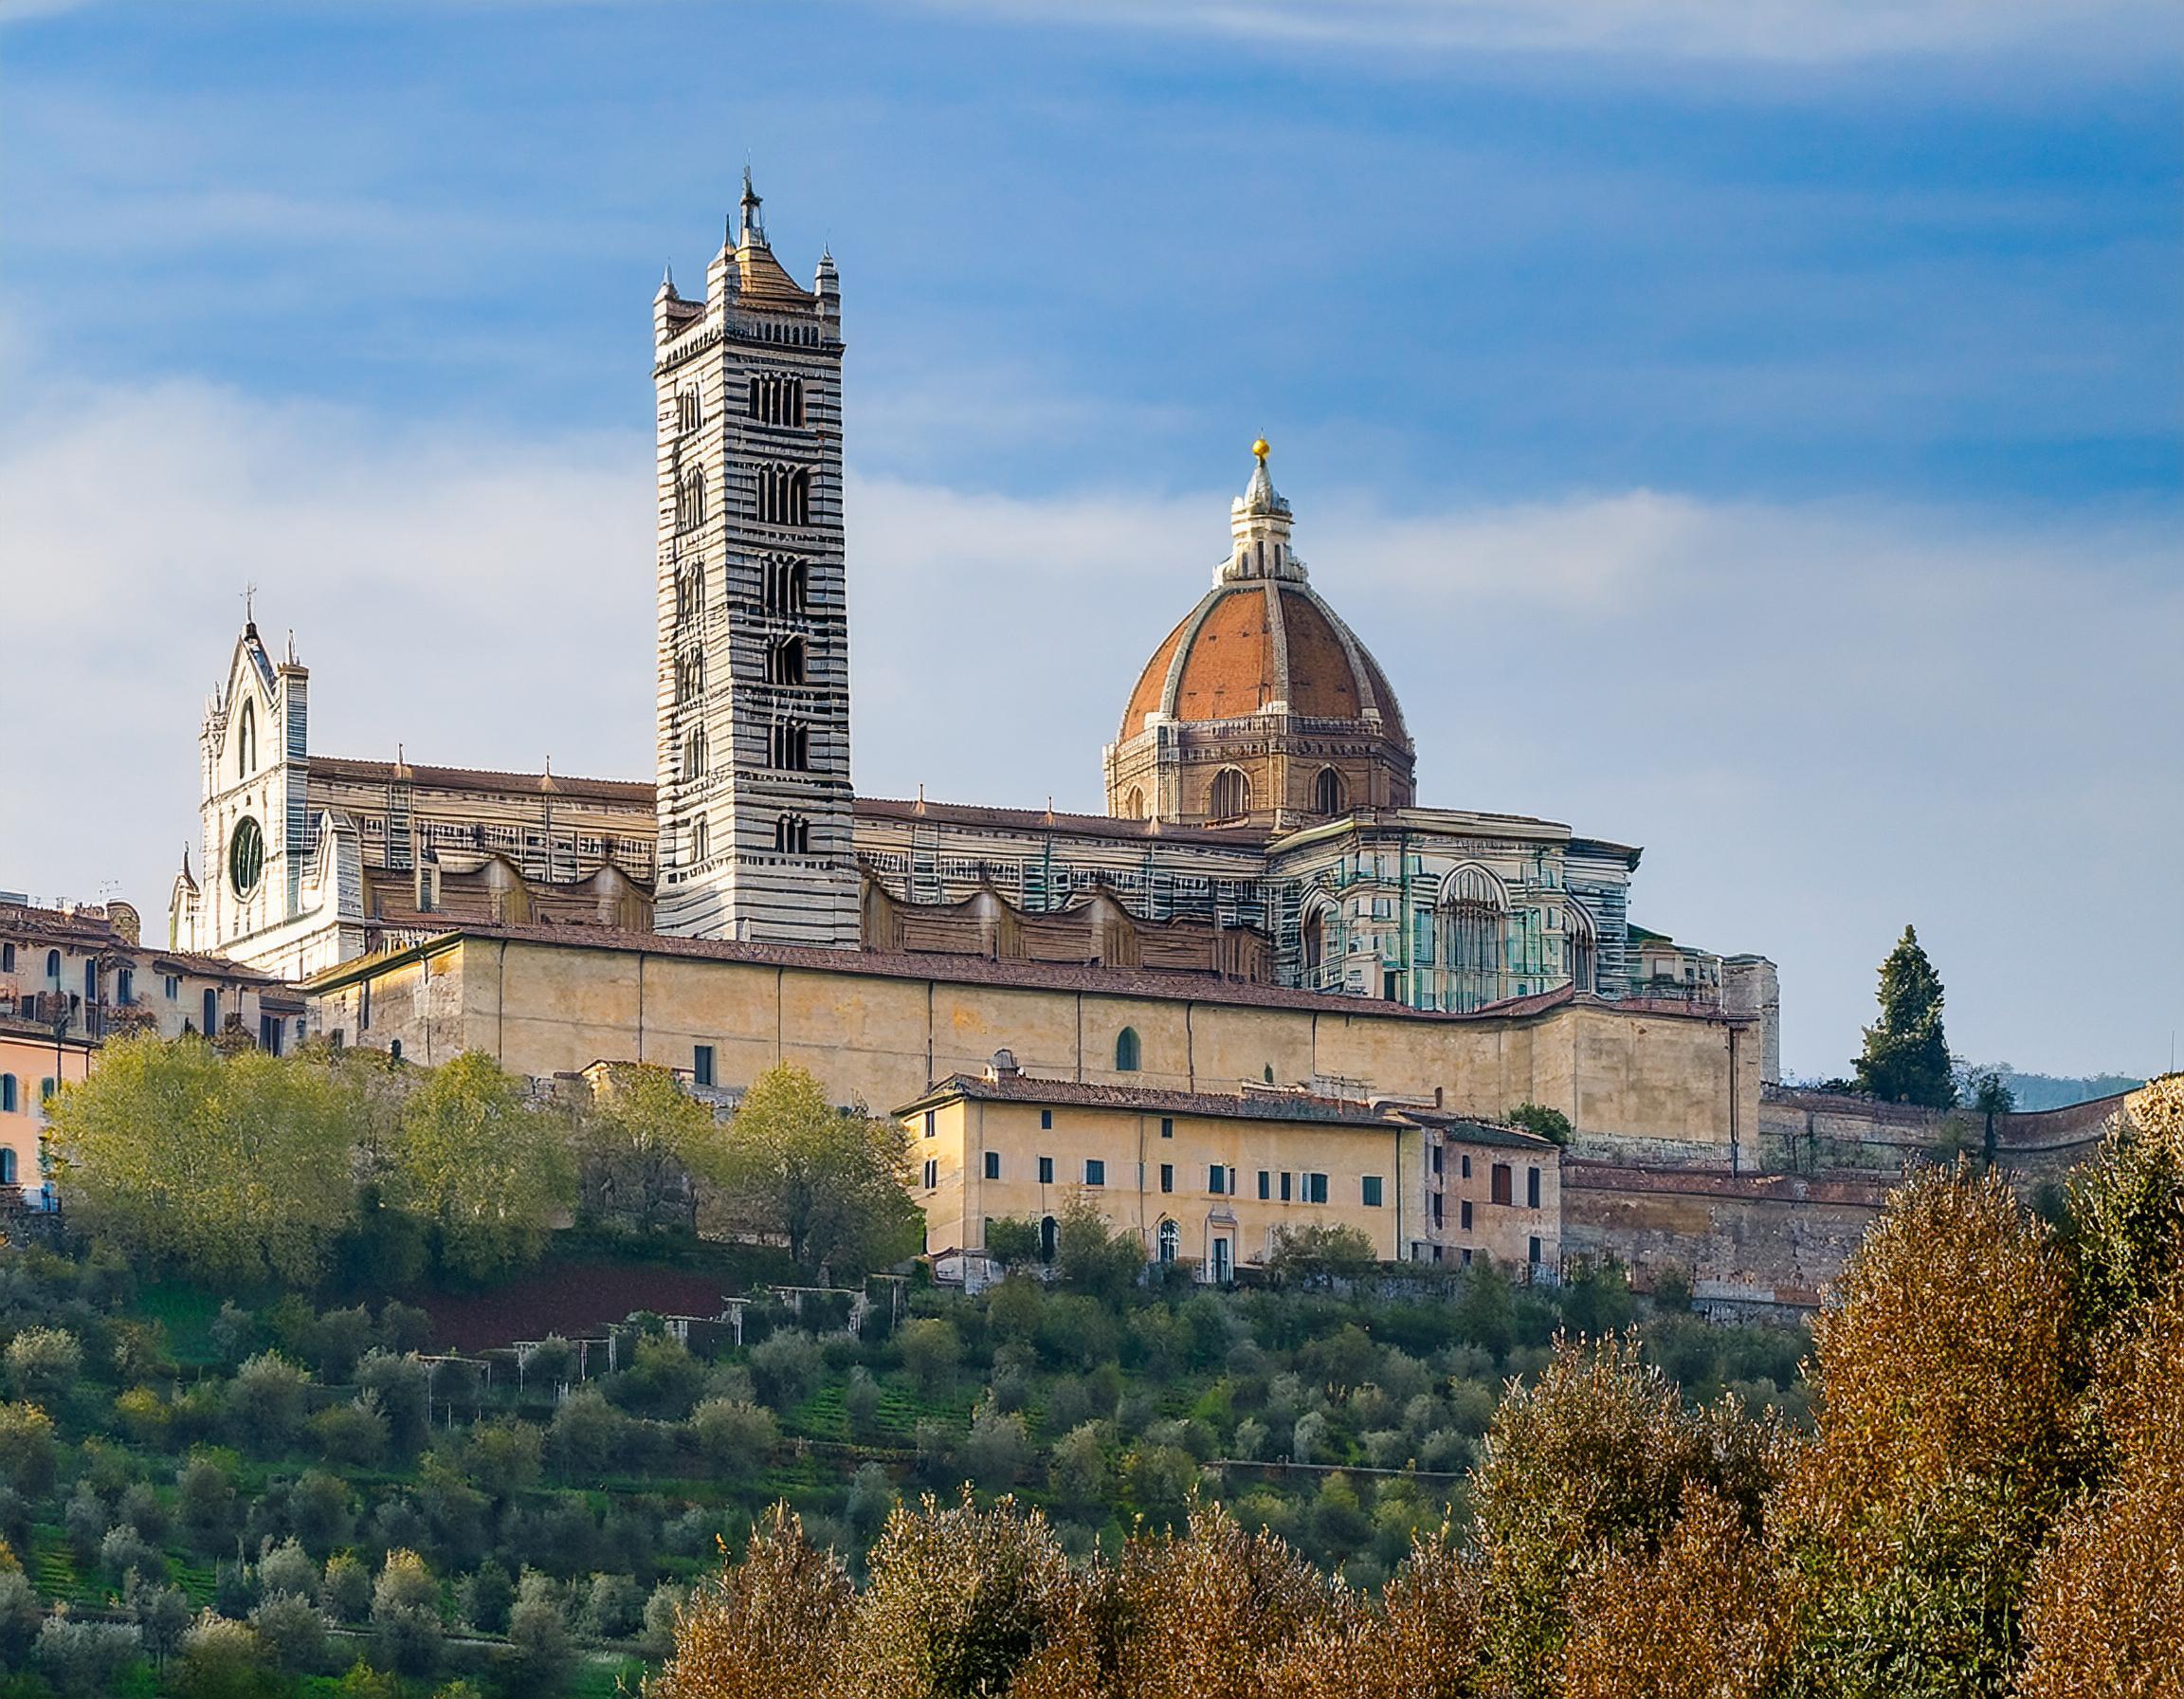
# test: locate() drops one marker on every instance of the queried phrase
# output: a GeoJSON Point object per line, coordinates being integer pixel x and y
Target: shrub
{"type": "Point", "coordinates": [124, 1549]}
{"type": "Point", "coordinates": [43, 1363]}
{"type": "Point", "coordinates": [20, 1615]}
{"type": "Point", "coordinates": [346, 1593]}
{"type": "Point", "coordinates": [288, 1568]}
{"type": "Point", "coordinates": [785, 1367]}
{"type": "Point", "coordinates": [586, 1437]}
{"type": "Point", "coordinates": [85, 1660]}
{"type": "Point", "coordinates": [614, 1607]}
{"type": "Point", "coordinates": [351, 1432]}
{"type": "Point", "coordinates": [405, 1629]}
{"type": "Point", "coordinates": [222, 1659]}
{"type": "Point", "coordinates": [266, 1402]}
{"type": "Point", "coordinates": [551, 1362]}
{"type": "Point", "coordinates": [996, 1451]}
{"type": "Point", "coordinates": [482, 1598]}
{"type": "Point", "coordinates": [931, 1350]}
{"type": "Point", "coordinates": [1012, 1240]}
{"type": "Point", "coordinates": [504, 1455]}
{"type": "Point", "coordinates": [1537, 1118]}
{"type": "Point", "coordinates": [860, 1402]}
{"type": "Point", "coordinates": [205, 1503]}
{"type": "Point", "coordinates": [27, 1456]}
{"type": "Point", "coordinates": [292, 1631]}
{"type": "Point", "coordinates": [318, 1510]}
{"type": "Point", "coordinates": [733, 1438]}
{"type": "Point", "coordinates": [538, 1640]}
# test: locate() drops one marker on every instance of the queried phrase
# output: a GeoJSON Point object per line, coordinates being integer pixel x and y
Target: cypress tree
{"type": "Point", "coordinates": [1907, 1059]}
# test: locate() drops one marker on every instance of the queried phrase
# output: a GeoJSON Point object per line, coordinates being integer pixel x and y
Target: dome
{"type": "Point", "coordinates": [1257, 647]}
{"type": "Point", "coordinates": [1261, 706]}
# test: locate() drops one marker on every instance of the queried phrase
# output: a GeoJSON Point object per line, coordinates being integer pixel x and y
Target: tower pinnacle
{"type": "Point", "coordinates": [753, 227]}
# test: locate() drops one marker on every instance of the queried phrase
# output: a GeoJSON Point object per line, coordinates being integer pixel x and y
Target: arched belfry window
{"type": "Point", "coordinates": [784, 585]}
{"type": "Point", "coordinates": [246, 741]}
{"type": "Point", "coordinates": [785, 662]}
{"type": "Point", "coordinates": [694, 754]}
{"type": "Point", "coordinates": [792, 836]}
{"type": "Point", "coordinates": [791, 741]}
{"type": "Point", "coordinates": [1231, 795]}
{"type": "Point", "coordinates": [700, 840]}
{"type": "Point", "coordinates": [1327, 793]}
{"type": "Point", "coordinates": [1584, 946]}
{"type": "Point", "coordinates": [1127, 1050]}
{"type": "Point", "coordinates": [1474, 912]}
{"type": "Point", "coordinates": [1319, 939]}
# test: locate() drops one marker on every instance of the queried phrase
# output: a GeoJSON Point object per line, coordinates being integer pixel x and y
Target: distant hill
{"type": "Point", "coordinates": [2046, 1091]}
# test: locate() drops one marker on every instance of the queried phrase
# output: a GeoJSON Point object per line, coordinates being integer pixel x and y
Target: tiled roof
{"type": "Point", "coordinates": [1032, 819]}
{"type": "Point", "coordinates": [632, 792]}
{"type": "Point", "coordinates": [1028, 1088]}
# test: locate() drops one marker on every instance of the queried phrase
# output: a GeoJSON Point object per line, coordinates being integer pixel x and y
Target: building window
{"type": "Point", "coordinates": [1094, 1172]}
{"type": "Point", "coordinates": [212, 1013]}
{"type": "Point", "coordinates": [7, 1165]}
{"type": "Point", "coordinates": [694, 754]}
{"type": "Point", "coordinates": [776, 399]}
{"type": "Point", "coordinates": [784, 496]}
{"type": "Point", "coordinates": [929, 1123]}
{"type": "Point", "coordinates": [783, 584]}
{"type": "Point", "coordinates": [53, 968]}
{"type": "Point", "coordinates": [1231, 795]}
{"type": "Point", "coordinates": [1466, 1167]}
{"type": "Point", "coordinates": [993, 1164]}
{"type": "Point", "coordinates": [792, 745]}
{"type": "Point", "coordinates": [1532, 1188]}
{"type": "Point", "coordinates": [690, 502]}
{"type": "Point", "coordinates": [1166, 1127]}
{"type": "Point", "coordinates": [932, 1173]}
{"type": "Point", "coordinates": [1171, 1241]}
{"type": "Point", "coordinates": [91, 982]}
{"type": "Point", "coordinates": [1133, 804]}
{"type": "Point", "coordinates": [46, 1087]}
{"type": "Point", "coordinates": [1286, 1180]}
{"type": "Point", "coordinates": [7, 1094]}
{"type": "Point", "coordinates": [1049, 1236]}
{"type": "Point", "coordinates": [701, 1064]}
{"type": "Point", "coordinates": [246, 741]}
{"type": "Point", "coordinates": [1464, 1215]}
{"type": "Point", "coordinates": [785, 662]}
{"type": "Point", "coordinates": [1167, 1176]}
{"type": "Point", "coordinates": [1327, 793]}
{"type": "Point", "coordinates": [1535, 1252]}
{"type": "Point", "coordinates": [689, 411]}
{"type": "Point", "coordinates": [394, 1049]}
{"type": "Point", "coordinates": [1224, 1260]}
{"type": "Point", "coordinates": [1373, 1191]}
{"type": "Point", "coordinates": [125, 987]}
{"type": "Point", "coordinates": [1475, 928]}
{"type": "Point", "coordinates": [1046, 1171]}
{"type": "Point", "coordinates": [1314, 1187]}
{"type": "Point", "coordinates": [792, 836]}
{"type": "Point", "coordinates": [700, 840]}
{"type": "Point", "coordinates": [1046, 1120]}
{"type": "Point", "coordinates": [689, 677]}
{"type": "Point", "coordinates": [174, 987]}
{"type": "Point", "coordinates": [1440, 1211]}
{"type": "Point", "coordinates": [7, 958]}
{"type": "Point", "coordinates": [1221, 1180]}
{"type": "Point", "coordinates": [1501, 1186]}
{"type": "Point", "coordinates": [1127, 1050]}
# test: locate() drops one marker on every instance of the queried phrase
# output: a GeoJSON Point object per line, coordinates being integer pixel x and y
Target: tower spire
{"type": "Point", "coordinates": [753, 227]}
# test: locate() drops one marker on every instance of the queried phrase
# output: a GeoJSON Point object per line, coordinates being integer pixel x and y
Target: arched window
{"type": "Point", "coordinates": [1133, 804]}
{"type": "Point", "coordinates": [690, 676]}
{"type": "Point", "coordinates": [1475, 927]}
{"type": "Point", "coordinates": [792, 836]}
{"type": "Point", "coordinates": [1327, 796]}
{"type": "Point", "coordinates": [246, 741]}
{"type": "Point", "coordinates": [1127, 1050]}
{"type": "Point", "coordinates": [9, 1094]}
{"type": "Point", "coordinates": [1049, 1238]}
{"type": "Point", "coordinates": [700, 840]}
{"type": "Point", "coordinates": [793, 411]}
{"type": "Point", "coordinates": [1171, 1241]}
{"type": "Point", "coordinates": [1231, 798]}
{"type": "Point", "coordinates": [783, 584]}
{"type": "Point", "coordinates": [1584, 947]}
{"type": "Point", "coordinates": [53, 967]}
{"type": "Point", "coordinates": [8, 1152]}
{"type": "Point", "coordinates": [690, 502]}
{"type": "Point", "coordinates": [694, 754]}
{"type": "Point", "coordinates": [785, 662]}
{"type": "Point", "coordinates": [689, 411]}
{"type": "Point", "coordinates": [1319, 932]}
{"type": "Point", "coordinates": [791, 750]}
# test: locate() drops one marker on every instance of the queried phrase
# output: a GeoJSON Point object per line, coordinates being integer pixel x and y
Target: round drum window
{"type": "Point", "coordinates": [245, 856]}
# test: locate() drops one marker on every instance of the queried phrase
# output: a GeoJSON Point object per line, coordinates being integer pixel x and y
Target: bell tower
{"type": "Point", "coordinates": [752, 675]}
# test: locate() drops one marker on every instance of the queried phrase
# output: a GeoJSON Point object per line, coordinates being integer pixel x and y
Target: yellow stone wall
{"type": "Point", "coordinates": [1653, 1083]}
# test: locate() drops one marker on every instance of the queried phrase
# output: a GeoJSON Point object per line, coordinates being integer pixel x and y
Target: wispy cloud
{"type": "Point", "coordinates": [1820, 719]}
{"type": "Point", "coordinates": [1787, 31]}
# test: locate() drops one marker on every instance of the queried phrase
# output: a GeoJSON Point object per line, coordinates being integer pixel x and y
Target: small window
{"type": "Point", "coordinates": [701, 1064]}
{"type": "Point", "coordinates": [1286, 1180]}
{"type": "Point", "coordinates": [1531, 1189]}
{"type": "Point", "coordinates": [1221, 1180]}
{"type": "Point", "coordinates": [212, 1013]}
{"type": "Point", "coordinates": [46, 1090]}
{"type": "Point", "coordinates": [125, 987]}
{"type": "Point", "coordinates": [7, 1098]}
{"type": "Point", "coordinates": [1046, 1120]}
{"type": "Point", "coordinates": [1502, 1190]}
{"type": "Point", "coordinates": [932, 1173]}
{"type": "Point", "coordinates": [53, 966]}
{"type": "Point", "coordinates": [7, 958]}
{"type": "Point", "coordinates": [394, 1049]}
{"type": "Point", "coordinates": [929, 1115]}
{"type": "Point", "coordinates": [1534, 1249]}
{"type": "Point", "coordinates": [173, 988]}
{"type": "Point", "coordinates": [1466, 1167]}
{"type": "Point", "coordinates": [7, 1165]}
{"type": "Point", "coordinates": [1463, 1216]}
{"type": "Point", "coordinates": [1166, 1127]}
{"type": "Point", "coordinates": [1046, 1171]}
{"type": "Point", "coordinates": [1467, 1255]}
{"type": "Point", "coordinates": [1094, 1172]}
{"type": "Point", "coordinates": [993, 1164]}
{"type": "Point", "coordinates": [1265, 1185]}
{"type": "Point", "coordinates": [1373, 1191]}
{"type": "Point", "coordinates": [1167, 1176]}
{"type": "Point", "coordinates": [1314, 1188]}
{"type": "Point", "coordinates": [1171, 1241]}
{"type": "Point", "coordinates": [1127, 1050]}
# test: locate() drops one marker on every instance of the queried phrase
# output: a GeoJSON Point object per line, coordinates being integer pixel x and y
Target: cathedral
{"type": "Point", "coordinates": [1261, 823]}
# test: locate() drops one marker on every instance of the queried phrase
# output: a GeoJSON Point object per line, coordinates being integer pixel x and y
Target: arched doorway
{"type": "Point", "coordinates": [1049, 1238]}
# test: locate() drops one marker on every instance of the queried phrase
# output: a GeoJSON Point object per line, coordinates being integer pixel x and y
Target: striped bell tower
{"type": "Point", "coordinates": [754, 653]}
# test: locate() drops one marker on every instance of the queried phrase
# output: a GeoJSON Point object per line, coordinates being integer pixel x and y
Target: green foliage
{"type": "Point", "coordinates": [2124, 1212]}
{"type": "Point", "coordinates": [1907, 1056]}
{"type": "Point", "coordinates": [230, 1169]}
{"type": "Point", "coordinates": [43, 1363]}
{"type": "Point", "coordinates": [643, 1144]}
{"type": "Point", "coordinates": [1537, 1118]}
{"type": "Point", "coordinates": [1317, 1253]}
{"type": "Point", "coordinates": [1090, 1256]}
{"type": "Point", "coordinates": [27, 1451]}
{"type": "Point", "coordinates": [483, 1163]}
{"type": "Point", "coordinates": [834, 1186]}
{"type": "Point", "coordinates": [1012, 1240]}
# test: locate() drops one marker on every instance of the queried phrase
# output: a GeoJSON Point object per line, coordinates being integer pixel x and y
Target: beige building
{"type": "Point", "coordinates": [1217, 1181]}
{"type": "Point", "coordinates": [876, 1027]}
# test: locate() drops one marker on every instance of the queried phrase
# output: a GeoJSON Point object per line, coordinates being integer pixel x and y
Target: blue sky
{"type": "Point", "coordinates": [1750, 431]}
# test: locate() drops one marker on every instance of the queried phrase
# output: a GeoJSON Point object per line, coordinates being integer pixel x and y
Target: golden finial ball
{"type": "Point", "coordinates": [1260, 448]}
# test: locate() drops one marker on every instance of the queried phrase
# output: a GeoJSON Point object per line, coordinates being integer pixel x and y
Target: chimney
{"type": "Point", "coordinates": [1003, 1067]}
